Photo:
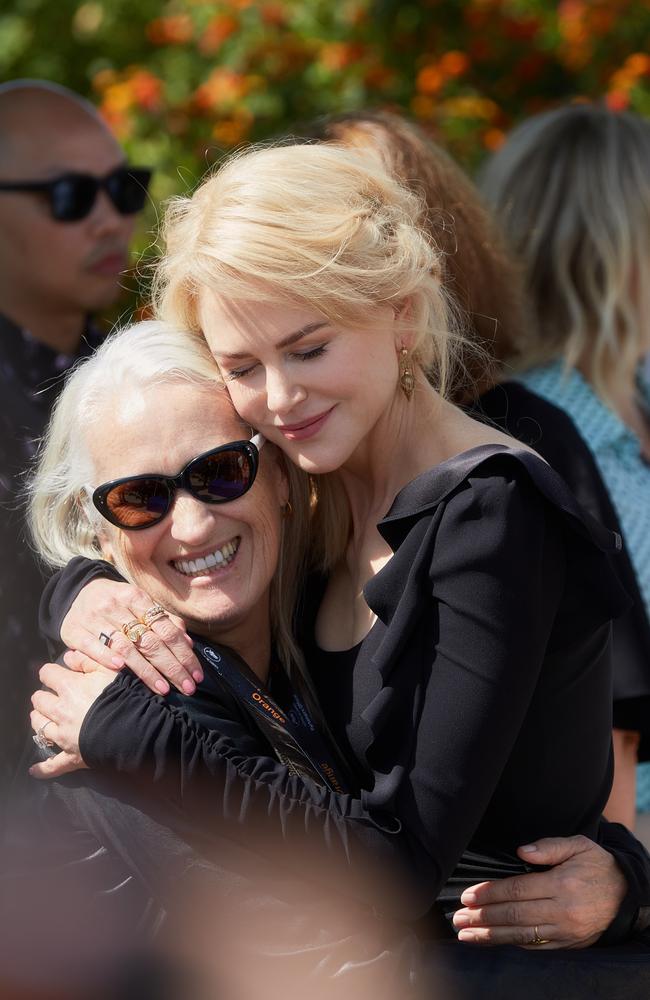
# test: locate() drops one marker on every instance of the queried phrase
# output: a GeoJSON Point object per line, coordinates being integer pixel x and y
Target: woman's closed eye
{"type": "Point", "coordinates": [308, 355]}
{"type": "Point", "coordinates": [313, 352]}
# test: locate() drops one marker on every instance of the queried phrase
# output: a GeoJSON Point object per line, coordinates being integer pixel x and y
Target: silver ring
{"type": "Point", "coordinates": [41, 741]}
{"type": "Point", "coordinates": [105, 637]}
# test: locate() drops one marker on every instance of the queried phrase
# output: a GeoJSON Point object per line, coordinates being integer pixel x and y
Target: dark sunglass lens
{"type": "Point", "coordinates": [73, 198]}
{"type": "Point", "coordinates": [139, 503]}
{"type": "Point", "coordinates": [128, 189]}
{"type": "Point", "coordinates": [222, 477]}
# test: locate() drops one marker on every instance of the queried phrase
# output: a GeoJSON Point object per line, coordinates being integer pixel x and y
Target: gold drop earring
{"type": "Point", "coordinates": [406, 377]}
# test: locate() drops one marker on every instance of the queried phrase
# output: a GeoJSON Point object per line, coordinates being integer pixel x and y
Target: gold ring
{"type": "Point", "coordinates": [153, 613]}
{"type": "Point", "coordinates": [134, 630]}
{"type": "Point", "coordinates": [537, 939]}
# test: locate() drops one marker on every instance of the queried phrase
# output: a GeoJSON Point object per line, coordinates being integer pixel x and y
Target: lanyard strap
{"type": "Point", "coordinates": [292, 733]}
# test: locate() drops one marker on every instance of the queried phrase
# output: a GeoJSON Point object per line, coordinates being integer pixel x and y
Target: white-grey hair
{"type": "Point", "coordinates": [571, 188]}
{"type": "Point", "coordinates": [62, 519]}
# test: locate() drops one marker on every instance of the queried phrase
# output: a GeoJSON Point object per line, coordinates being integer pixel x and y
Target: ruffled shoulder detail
{"type": "Point", "coordinates": [428, 490]}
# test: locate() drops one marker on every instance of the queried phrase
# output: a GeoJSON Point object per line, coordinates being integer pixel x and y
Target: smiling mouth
{"type": "Point", "coordinates": [306, 427]}
{"type": "Point", "coordinates": [210, 563]}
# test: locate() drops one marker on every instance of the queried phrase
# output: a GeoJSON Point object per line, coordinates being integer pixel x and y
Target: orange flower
{"type": "Point", "coordinates": [454, 63]}
{"type": "Point", "coordinates": [493, 138]}
{"type": "Point", "coordinates": [429, 80]}
{"type": "Point", "coordinates": [174, 30]}
{"type": "Point", "coordinates": [146, 89]}
{"type": "Point", "coordinates": [617, 100]}
{"type": "Point", "coordinates": [638, 63]}
{"type": "Point", "coordinates": [273, 14]}
{"type": "Point", "coordinates": [223, 88]}
{"type": "Point", "coordinates": [336, 56]}
{"type": "Point", "coordinates": [230, 132]}
{"type": "Point", "coordinates": [217, 31]}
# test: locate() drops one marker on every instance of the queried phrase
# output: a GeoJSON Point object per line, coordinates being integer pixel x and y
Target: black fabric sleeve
{"type": "Point", "coordinates": [634, 862]}
{"type": "Point", "coordinates": [211, 784]}
{"type": "Point", "coordinates": [62, 590]}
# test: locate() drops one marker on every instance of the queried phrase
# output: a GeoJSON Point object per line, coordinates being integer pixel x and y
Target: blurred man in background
{"type": "Point", "coordinates": [68, 205]}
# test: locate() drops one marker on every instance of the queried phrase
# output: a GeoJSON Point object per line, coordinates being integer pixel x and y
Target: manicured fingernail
{"type": "Point", "coordinates": [468, 897]}
{"type": "Point", "coordinates": [189, 687]}
{"type": "Point", "coordinates": [197, 675]}
{"type": "Point", "coordinates": [529, 848]}
{"type": "Point", "coordinates": [118, 662]}
{"type": "Point", "coordinates": [162, 686]}
{"type": "Point", "coordinates": [461, 919]}
{"type": "Point", "coordinates": [466, 936]}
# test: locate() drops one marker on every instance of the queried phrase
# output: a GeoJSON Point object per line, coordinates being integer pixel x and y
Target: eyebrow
{"type": "Point", "coordinates": [293, 338]}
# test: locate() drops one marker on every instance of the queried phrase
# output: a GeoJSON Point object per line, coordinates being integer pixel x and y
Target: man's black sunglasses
{"type": "Point", "coordinates": [72, 196]}
{"type": "Point", "coordinates": [218, 476]}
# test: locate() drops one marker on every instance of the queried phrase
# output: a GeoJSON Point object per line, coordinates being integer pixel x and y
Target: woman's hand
{"type": "Point", "coordinates": [569, 906]}
{"type": "Point", "coordinates": [62, 709]}
{"type": "Point", "coordinates": [164, 653]}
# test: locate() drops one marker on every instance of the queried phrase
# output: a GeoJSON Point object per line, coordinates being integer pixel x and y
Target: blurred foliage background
{"type": "Point", "coordinates": [182, 81]}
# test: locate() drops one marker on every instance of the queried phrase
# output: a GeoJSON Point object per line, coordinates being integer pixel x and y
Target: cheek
{"type": "Point", "coordinates": [249, 403]}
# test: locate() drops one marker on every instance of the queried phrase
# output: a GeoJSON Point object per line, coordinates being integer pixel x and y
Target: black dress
{"type": "Point", "coordinates": [480, 709]}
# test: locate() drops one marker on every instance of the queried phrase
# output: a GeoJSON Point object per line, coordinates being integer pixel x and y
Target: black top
{"type": "Point", "coordinates": [552, 433]}
{"type": "Point", "coordinates": [30, 380]}
{"type": "Point", "coordinates": [485, 709]}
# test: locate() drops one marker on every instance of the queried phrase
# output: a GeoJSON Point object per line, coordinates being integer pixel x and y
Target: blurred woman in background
{"type": "Point", "coordinates": [571, 189]}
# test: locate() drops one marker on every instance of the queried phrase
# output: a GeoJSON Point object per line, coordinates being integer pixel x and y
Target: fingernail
{"type": "Point", "coordinates": [162, 686]}
{"type": "Point", "coordinates": [197, 675]}
{"type": "Point", "coordinates": [118, 662]}
{"type": "Point", "coordinates": [466, 936]}
{"type": "Point", "coordinates": [468, 897]}
{"type": "Point", "coordinates": [189, 640]}
{"type": "Point", "coordinates": [461, 919]}
{"type": "Point", "coordinates": [31, 772]}
{"type": "Point", "coordinates": [189, 687]}
{"type": "Point", "coordinates": [529, 848]}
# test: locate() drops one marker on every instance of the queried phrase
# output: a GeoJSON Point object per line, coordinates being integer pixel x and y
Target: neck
{"type": "Point", "coordinates": [408, 439]}
{"type": "Point", "coordinates": [252, 644]}
{"type": "Point", "coordinates": [61, 330]}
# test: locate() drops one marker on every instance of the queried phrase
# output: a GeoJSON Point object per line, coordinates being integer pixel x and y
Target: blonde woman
{"type": "Point", "coordinates": [461, 620]}
{"type": "Point", "coordinates": [572, 191]}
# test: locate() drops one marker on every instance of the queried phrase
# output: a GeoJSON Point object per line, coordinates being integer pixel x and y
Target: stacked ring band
{"type": "Point", "coordinates": [152, 614]}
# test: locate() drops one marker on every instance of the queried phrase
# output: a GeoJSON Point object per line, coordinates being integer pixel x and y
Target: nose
{"type": "Point", "coordinates": [282, 392]}
{"type": "Point", "coordinates": [192, 522]}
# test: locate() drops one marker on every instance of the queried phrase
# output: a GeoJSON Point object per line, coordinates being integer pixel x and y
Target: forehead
{"type": "Point", "coordinates": [47, 147]}
{"type": "Point", "coordinates": [160, 429]}
{"type": "Point", "coordinates": [249, 326]}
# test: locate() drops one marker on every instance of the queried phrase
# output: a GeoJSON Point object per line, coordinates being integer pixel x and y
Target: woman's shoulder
{"type": "Point", "coordinates": [490, 480]}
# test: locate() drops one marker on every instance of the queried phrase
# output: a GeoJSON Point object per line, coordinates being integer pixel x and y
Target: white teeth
{"type": "Point", "coordinates": [220, 557]}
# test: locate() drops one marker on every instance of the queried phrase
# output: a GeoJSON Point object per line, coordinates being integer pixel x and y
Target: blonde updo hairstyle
{"type": "Point", "coordinates": [309, 226]}
{"type": "Point", "coordinates": [63, 520]}
{"type": "Point", "coordinates": [571, 188]}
